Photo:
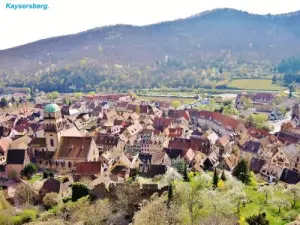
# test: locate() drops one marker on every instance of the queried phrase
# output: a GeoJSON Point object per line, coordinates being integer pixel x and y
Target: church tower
{"type": "Point", "coordinates": [53, 126]}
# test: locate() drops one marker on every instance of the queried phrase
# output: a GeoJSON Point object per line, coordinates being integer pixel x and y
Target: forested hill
{"type": "Point", "coordinates": [217, 33]}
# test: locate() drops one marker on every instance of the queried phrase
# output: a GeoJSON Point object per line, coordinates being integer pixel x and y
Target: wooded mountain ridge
{"type": "Point", "coordinates": [213, 34]}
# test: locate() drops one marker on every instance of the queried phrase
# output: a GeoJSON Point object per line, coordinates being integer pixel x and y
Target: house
{"type": "Point", "coordinates": [176, 114]}
{"type": "Point", "coordinates": [256, 164]}
{"type": "Point", "coordinates": [220, 123]}
{"type": "Point", "coordinates": [251, 149]}
{"type": "Point", "coordinates": [287, 157]}
{"type": "Point", "coordinates": [290, 177]}
{"type": "Point", "coordinates": [161, 123]}
{"type": "Point", "coordinates": [272, 172]}
{"type": "Point", "coordinates": [276, 115]}
{"type": "Point", "coordinates": [224, 145]}
{"type": "Point", "coordinates": [260, 101]}
{"type": "Point", "coordinates": [61, 187]}
{"type": "Point", "coordinates": [87, 169]}
{"type": "Point", "coordinates": [106, 142]}
{"type": "Point", "coordinates": [4, 145]}
{"type": "Point", "coordinates": [228, 162]}
{"type": "Point", "coordinates": [212, 161]}
{"type": "Point", "coordinates": [71, 150]}
{"type": "Point", "coordinates": [16, 160]}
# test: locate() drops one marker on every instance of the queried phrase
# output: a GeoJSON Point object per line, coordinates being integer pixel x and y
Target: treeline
{"type": "Point", "coordinates": [85, 76]}
{"type": "Point", "coordinates": [291, 69]}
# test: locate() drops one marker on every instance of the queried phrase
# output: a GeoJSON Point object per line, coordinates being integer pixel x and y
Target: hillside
{"type": "Point", "coordinates": [209, 34]}
{"type": "Point", "coordinates": [206, 50]}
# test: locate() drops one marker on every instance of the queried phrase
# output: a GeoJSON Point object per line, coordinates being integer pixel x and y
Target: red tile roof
{"type": "Point", "coordinates": [87, 168]}
{"type": "Point", "coordinates": [222, 120]}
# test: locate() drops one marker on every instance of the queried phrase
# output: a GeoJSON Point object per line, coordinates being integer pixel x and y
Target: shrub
{"type": "Point", "coordinates": [29, 170]}
{"type": "Point", "coordinates": [26, 216]}
{"type": "Point", "coordinates": [258, 219]}
{"type": "Point", "coordinates": [51, 199]}
{"type": "Point", "coordinates": [48, 173]}
{"type": "Point", "coordinates": [79, 190]}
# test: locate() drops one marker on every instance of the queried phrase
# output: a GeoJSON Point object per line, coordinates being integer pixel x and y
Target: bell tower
{"type": "Point", "coordinates": [53, 126]}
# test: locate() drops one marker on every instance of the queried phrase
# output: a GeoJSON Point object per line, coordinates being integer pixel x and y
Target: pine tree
{"type": "Point", "coordinates": [241, 172]}
{"type": "Point", "coordinates": [223, 176]}
{"type": "Point", "coordinates": [185, 174]}
{"type": "Point", "coordinates": [274, 79]}
{"type": "Point", "coordinates": [170, 194]}
{"type": "Point", "coordinates": [215, 179]}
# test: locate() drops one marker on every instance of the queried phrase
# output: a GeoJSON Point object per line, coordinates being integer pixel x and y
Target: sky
{"type": "Point", "coordinates": [62, 17]}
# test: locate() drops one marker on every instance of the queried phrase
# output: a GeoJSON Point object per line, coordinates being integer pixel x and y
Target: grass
{"type": "Point", "coordinates": [168, 99]}
{"type": "Point", "coordinates": [34, 178]}
{"type": "Point", "coordinates": [3, 203]}
{"type": "Point", "coordinates": [257, 204]}
{"type": "Point", "coordinates": [254, 84]}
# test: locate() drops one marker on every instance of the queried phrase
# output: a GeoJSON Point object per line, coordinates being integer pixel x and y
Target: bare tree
{"type": "Point", "coordinates": [128, 197]}
{"type": "Point", "coordinates": [25, 194]}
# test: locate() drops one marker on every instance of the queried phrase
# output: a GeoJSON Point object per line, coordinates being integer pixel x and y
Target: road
{"type": "Point", "coordinates": [277, 124]}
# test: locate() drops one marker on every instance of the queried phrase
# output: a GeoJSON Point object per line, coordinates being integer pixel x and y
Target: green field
{"type": "Point", "coordinates": [256, 204]}
{"type": "Point", "coordinates": [254, 84]}
{"type": "Point", "coordinates": [168, 99]}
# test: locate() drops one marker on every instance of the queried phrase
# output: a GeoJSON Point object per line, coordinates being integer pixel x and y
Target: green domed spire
{"type": "Point", "coordinates": [51, 108]}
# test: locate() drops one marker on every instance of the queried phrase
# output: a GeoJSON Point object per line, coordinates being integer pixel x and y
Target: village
{"type": "Point", "coordinates": [110, 139]}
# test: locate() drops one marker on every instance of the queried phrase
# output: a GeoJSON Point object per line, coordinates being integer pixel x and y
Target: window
{"type": "Point", "coordinates": [69, 164]}
{"type": "Point", "coordinates": [51, 142]}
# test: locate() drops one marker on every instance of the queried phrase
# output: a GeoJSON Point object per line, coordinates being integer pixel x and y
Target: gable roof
{"type": "Point", "coordinates": [16, 156]}
{"type": "Point", "coordinates": [256, 164]}
{"type": "Point", "coordinates": [251, 146]}
{"type": "Point", "coordinates": [291, 151]}
{"type": "Point", "coordinates": [74, 147]}
{"type": "Point", "coordinates": [87, 168]}
{"type": "Point", "coordinates": [290, 177]}
{"type": "Point", "coordinates": [222, 120]}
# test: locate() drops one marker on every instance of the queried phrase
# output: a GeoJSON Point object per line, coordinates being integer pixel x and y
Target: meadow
{"type": "Point", "coordinates": [254, 84]}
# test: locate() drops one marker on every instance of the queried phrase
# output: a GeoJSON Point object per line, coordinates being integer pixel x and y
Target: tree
{"type": "Point", "coordinates": [29, 170]}
{"type": "Point", "coordinates": [247, 102]}
{"type": "Point", "coordinates": [128, 196]}
{"type": "Point", "coordinates": [179, 165]}
{"type": "Point", "coordinates": [185, 174]}
{"type": "Point", "coordinates": [25, 194]}
{"type": "Point", "coordinates": [51, 199]}
{"type": "Point", "coordinates": [157, 213]}
{"type": "Point", "coordinates": [241, 172]}
{"type": "Point", "coordinates": [13, 100]}
{"type": "Point", "coordinates": [215, 179]}
{"type": "Point", "coordinates": [79, 190]}
{"type": "Point", "coordinates": [4, 102]}
{"type": "Point", "coordinates": [223, 176]}
{"type": "Point", "coordinates": [48, 173]}
{"type": "Point", "coordinates": [281, 203]}
{"type": "Point", "coordinates": [274, 79]}
{"type": "Point", "coordinates": [267, 191]}
{"type": "Point", "coordinates": [294, 192]}
{"type": "Point", "coordinates": [92, 93]}
{"type": "Point", "coordinates": [175, 104]}
{"type": "Point", "coordinates": [259, 219]}
{"type": "Point", "coordinates": [138, 109]}
{"type": "Point", "coordinates": [170, 194]}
